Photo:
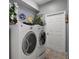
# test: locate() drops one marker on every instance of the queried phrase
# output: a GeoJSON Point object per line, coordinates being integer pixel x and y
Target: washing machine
{"type": "Point", "coordinates": [25, 42]}
{"type": "Point", "coordinates": [41, 35]}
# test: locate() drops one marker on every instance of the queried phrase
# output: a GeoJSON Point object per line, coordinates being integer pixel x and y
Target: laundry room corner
{"type": "Point", "coordinates": [38, 29]}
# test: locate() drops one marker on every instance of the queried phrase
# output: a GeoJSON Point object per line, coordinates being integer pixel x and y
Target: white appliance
{"type": "Point", "coordinates": [56, 32]}
{"type": "Point", "coordinates": [41, 40]}
{"type": "Point", "coordinates": [24, 42]}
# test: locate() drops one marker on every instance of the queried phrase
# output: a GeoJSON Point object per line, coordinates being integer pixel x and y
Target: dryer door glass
{"type": "Point", "coordinates": [42, 38]}
{"type": "Point", "coordinates": [29, 43]}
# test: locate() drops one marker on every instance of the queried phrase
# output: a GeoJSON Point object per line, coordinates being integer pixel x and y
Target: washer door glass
{"type": "Point", "coordinates": [29, 43]}
{"type": "Point", "coordinates": [42, 38]}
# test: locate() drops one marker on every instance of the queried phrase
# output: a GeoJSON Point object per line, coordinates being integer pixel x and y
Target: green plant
{"type": "Point", "coordinates": [38, 20]}
{"type": "Point", "coordinates": [12, 14]}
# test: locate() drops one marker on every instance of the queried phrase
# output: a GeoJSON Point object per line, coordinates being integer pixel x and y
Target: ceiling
{"type": "Point", "coordinates": [40, 2]}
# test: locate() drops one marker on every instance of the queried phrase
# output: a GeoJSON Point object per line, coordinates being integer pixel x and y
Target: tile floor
{"type": "Point", "coordinates": [51, 54]}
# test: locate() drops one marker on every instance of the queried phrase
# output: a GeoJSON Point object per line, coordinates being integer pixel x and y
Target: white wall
{"type": "Point", "coordinates": [53, 6]}
{"type": "Point", "coordinates": [26, 11]}
{"type": "Point", "coordinates": [31, 3]}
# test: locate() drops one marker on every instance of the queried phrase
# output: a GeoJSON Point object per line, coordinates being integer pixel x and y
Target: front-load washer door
{"type": "Point", "coordinates": [42, 38]}
{"type": "Point", "coordinates": [29, 43]}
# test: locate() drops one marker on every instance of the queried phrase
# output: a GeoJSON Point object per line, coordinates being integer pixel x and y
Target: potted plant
{"type": "Point", "coordinates": [12, 15]}
{"type": "Point", "coordinates": [37, 20]}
